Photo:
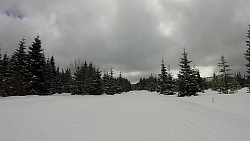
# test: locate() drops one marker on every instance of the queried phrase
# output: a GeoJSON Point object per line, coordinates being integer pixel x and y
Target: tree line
{"type": "Point", "coordinates": [189, 81]}
{"type": "Point", "coordinates": [30, 73]}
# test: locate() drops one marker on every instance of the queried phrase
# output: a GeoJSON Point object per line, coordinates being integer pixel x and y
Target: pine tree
{"type": "Point", "coordinates": [97, 83]}
{"type": "Point", "coordinates": [20, 73]}
{"type": "Point", "coordinates": [105, 82]}
{"type": "Point", "coordinates": [225, 74]}
{"type": "Point", "coordinates": [247, 56]}
{"type": "Point", "coordinates": [187, 85]}
{"type": "Point", "coordinates": [36, 68]}
{"type": "Point", "coordinates": [120, 84]}
{"type": "Point", "coordinates": [151, 83]}
{"type": "Point", "coordinates": [80, 76]}
{"type": "Point", "coordinates": [89, 79]}
{"type": "Point", "coordinates": [48, 76]}
{"type": "Point", "coordinates": [57, 81]}
{"type": "Point", "coordinates": [6, 74]}
{"type": "Point", "coordinates": [51, 75]}
{"type": "Point", "coordinates": [67, 80]}
{"type": "Point", "coordinates": [111, 87]}
{"type": "Point", "coordinates": [163, 79]}
{"type": "Point", "coordinates": [126, 85]}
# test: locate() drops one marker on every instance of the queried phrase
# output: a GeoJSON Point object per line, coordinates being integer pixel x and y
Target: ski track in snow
{"type": "Point", "coordinates": [133, 116]}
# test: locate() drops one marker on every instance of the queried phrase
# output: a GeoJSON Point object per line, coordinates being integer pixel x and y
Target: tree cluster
{"type": "Point", "coordinates": [28, 72]}
{"type": "Point", "coordinates": [149, 84]}
{"type": "Point", "coordinates": [188, 83]}
{"type": "Point", "coordinates": [225, 82]}
{"type": "Point", "coordinates": [88, 80]}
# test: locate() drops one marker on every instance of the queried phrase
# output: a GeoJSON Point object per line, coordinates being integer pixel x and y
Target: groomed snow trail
{"type": "Point", "coordinates": [134, 116]}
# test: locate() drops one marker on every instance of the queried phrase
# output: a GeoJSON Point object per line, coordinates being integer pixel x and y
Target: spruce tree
{"type": "Point", "coordinates": [36, 68]}
{"type": "Point", "coordinates": [57, 81]}
{"type": "Point", "coordinates": [6, 75]}
{"type": "Point", "coordinates": [48, 76]}
{"type": "Point", "coordinates": [97, 83]}
{"type": "Point", "coordinates": [105, 82]}
{"type": "Point", "coordinates": [89, 79]}
{"type": "Point", "coordinates": [67, 80]}
{"type": "Point", "coordinates": [187, 85]}
{"type": "Point", "coordinates": [225, 75]}
{"type": "Point", "coordinates": [20, 74]}
{"type": "Point", "coordinates": [151, 83]}
{"type": "Point", "coordinates": [163, 79]}
{"type": "Point", "coordinates": [111, 87]}
{"type": "Point", "coordinates": [80, 76]}
{"type": "Point", "coordinates": [51, 75]}
{"type": "Point", "coordinates": [119, 84]}
{"type": "Point", "coordinates": [247, 56]}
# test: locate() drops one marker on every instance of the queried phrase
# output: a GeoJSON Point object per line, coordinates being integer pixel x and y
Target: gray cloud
{"type": "Point", "coordinates": [132, 36]}
{"type": "Point", "coordinates": [14, 12]}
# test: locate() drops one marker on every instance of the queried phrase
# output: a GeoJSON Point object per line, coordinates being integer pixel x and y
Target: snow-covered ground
{"type": "Point", "coordinates": [133, 116]}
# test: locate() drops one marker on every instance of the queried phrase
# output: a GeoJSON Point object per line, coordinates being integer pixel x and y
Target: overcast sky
{"type": "Point", "coordinates": [131, 36]}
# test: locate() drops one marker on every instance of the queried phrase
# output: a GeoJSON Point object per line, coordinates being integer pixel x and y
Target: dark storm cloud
{"type": "Point", "coordinates": [131, 36]}
{"type": "Point", "coordinates": [14, 12]}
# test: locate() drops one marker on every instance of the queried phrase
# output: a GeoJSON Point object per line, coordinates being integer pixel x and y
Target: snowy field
{"type": "Point", "coordinates": [133, 116]}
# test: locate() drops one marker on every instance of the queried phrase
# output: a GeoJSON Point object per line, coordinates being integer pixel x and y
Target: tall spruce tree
{"type": "Point", "coordinates": [36, 68]}
{"type": "Point", "coordinates": [186, 78]}
{"type": "Point", "coordinates": [20, 73]}
{"type": "Point", "coordinates": [225, 75]}
{"type": "Point", "coordinates": [247, 56]}
{"type": "Point", "coordinates": [6, 74]}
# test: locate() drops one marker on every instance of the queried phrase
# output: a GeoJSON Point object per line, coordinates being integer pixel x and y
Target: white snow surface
{"type": "Point", "coordinates": [133, 116]}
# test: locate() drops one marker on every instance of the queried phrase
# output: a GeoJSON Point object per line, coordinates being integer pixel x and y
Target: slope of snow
{"type": "Point", "coordinates": [133, 116]}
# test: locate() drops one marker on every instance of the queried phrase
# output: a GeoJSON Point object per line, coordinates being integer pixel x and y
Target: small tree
{"type": "Point", "coordinates": [163, 79]}
{"type": "Point", "coordinates": [224, 70]}
{"type": "Point", "coordinates": [120, 83]}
